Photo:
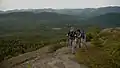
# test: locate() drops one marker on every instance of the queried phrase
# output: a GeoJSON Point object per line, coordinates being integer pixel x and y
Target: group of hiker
{"type": "Point", "coordinates": [76, 39]}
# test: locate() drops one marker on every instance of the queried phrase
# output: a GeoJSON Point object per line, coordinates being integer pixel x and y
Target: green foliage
{"type": "Point", "coordinates": [97, 43]}
{"type": "Point", "coordinates": [10, 47]}
{"type": "Point", "coordinates": [89, 36]}
{"type": "Point", "coordinates": [29, 66]}
{"type": "Point", "coordinates": [92, 33]}
{"type": "Point", "coordinates": [94, 29]}
{"type": "Point", "coordinates": [105, 52]}
{"type": "Point", "coordinates": [94, 58]}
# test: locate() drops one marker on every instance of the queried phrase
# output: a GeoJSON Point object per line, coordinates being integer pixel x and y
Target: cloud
{"type": "Point", "coordinates": [18, 4]}
{"type": "Point", "coordinates": [0, 2]}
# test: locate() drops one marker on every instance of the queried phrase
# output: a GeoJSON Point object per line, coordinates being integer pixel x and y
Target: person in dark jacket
{"type": "Point", "coordinates": [78, 32]}
{"type": "Point", "coordinates": [72, 39]}
{"type": "Point", "coordinates": [83, 39]}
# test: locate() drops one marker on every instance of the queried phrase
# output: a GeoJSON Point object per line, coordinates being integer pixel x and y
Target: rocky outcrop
{"type": "Point", "coordinates": [62, 58]}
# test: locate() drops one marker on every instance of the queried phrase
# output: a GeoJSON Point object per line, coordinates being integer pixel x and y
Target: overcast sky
{"type": "Point", "coordinates": [23, 4]}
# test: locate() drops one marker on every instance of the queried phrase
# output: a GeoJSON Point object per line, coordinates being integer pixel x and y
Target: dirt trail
{"type": "Point", "coordinates": [62, 58]}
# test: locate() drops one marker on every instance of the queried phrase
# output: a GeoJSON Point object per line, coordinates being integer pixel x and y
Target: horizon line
{"type": "Point", "coordinates": [58, 8]}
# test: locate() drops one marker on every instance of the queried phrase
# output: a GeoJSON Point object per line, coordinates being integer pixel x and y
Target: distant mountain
{"type": "Point", "coordinates": [90, 12]}
{"type": "Point", "coordinates": [84, 13]}
{"type": "Point", "coordinates": [106, 20]}
{"type": "Point", "coordinates": [29, 20]}
{"type": "Point", "coordinates": [30, 10]}
{"type": "Point", "coordinates": [18, 21]}
{"type": "Point", "coordinates": [37, 16]}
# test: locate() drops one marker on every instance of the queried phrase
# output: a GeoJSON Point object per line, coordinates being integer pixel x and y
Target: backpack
{"type": "Point", "coordinates": [78, 33]}
{"type": "Point", "coordinates": [83, 35]}
{"type": "Point", "coordinates": [72, 35]}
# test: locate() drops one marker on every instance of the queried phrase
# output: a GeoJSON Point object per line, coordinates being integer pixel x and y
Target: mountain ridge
{"type": "Point", "coordinates": [86, 12]}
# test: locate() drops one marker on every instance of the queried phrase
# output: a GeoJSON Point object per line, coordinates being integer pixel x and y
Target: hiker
{"type": "Point", "coordinates": [83, 39]}
{"type": "Point", "coordinates": [78, 32]}
{"type": "Point", "coordinates": [72, 39]}
{"type": "Point", "coordinates": [70, 35]}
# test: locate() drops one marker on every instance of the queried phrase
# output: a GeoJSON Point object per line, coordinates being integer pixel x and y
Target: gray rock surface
{"type": "Point", "coordinates": [62, 58]}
